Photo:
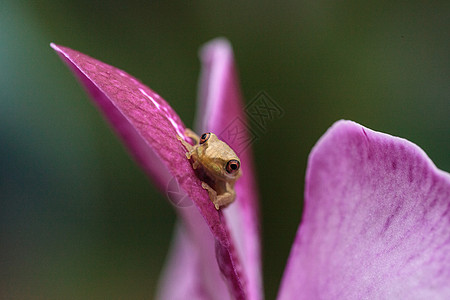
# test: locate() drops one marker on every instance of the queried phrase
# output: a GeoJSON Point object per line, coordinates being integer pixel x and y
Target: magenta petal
{"type": "Point", "coordinates": [220, 102]}
{"type": "Point", "coordinates": [221, 111]}
{"type": "Point", "coordinates": [192, 267]}
{"type": "Point", "coordinates": [180, 276]}
{"type": "Point", "coordinates": [149, 127]}
{"type": "Point", "coordinates": [145, 122]}
{"type": "Point", "coordinates": [376, 223]}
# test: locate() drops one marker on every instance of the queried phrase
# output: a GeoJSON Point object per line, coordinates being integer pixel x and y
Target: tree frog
{"type": "Point", "coordinates": [216, 165]}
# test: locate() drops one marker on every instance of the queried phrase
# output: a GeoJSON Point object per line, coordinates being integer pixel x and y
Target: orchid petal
{"type": "Point", "coordinates": [149, 127]}
{"type": "Point", "coordinates": [187, 271]}
{"type": "Point", "coordinates": [221, 111]}
{"type": "Point", "coordinates": [144, 121]}
{"type": "Point", "coordinates": [193, 255]}
{"type": "Point", "coordinates": [376, 223]}
{"type": "Point", "coordinates": [218, 93]}
{"type": "Point", "coordinates": [182, 268]}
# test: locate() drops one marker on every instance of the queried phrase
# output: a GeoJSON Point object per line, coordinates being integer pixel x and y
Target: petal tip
{"type": "Point", "coordinates": [60, 50]}
{"type": "Point", "coordinates": [218, 46]}
{"type": "Point", "coordinates": [55, 47]}
{"type": "Point", "coordinates": [344, 125]}
{"type": "Point", "coordinates": [339, 127]}
{"type": "Point", "coordinates": [219, 42]}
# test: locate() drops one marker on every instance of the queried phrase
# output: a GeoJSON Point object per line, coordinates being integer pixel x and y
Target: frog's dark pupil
{"type": "Point", "coordinates": [232, 166]}
{"type": "Point", "coordinates": [204, 137]}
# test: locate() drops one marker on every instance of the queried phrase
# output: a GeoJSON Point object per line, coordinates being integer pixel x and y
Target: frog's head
{"type": "Point", "coordinates": [218, 158]}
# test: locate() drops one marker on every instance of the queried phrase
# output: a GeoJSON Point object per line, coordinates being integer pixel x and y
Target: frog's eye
{"type": "Point", "coordinates": [233, 166]}
{"type": "Point", "coordinates": [204, 137]}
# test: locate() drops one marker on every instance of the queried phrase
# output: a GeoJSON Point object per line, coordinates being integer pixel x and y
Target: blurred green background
{"type": "Point", "coordinates": [79, 219]}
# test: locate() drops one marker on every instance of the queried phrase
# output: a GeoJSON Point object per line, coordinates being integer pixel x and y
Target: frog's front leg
{"type": "Point", "coordinates": [189, 147]}
{"type": "Point", "coordinates": [219, 200]}
{"type": "Point", "coordinates": [192, 135]}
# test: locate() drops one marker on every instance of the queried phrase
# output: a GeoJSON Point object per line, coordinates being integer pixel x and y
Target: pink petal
{"type": "Point", "coordinates": [221, 111]}
{"type": "Point", "coordinates": [376, 223]}
{"type": "Point", "coordinates": [180, 276]}
{"type": "Point", "coordinates": [145, 122]}
{"type": "Point", "coordinates": [219, 92]}
{"type": "Point", "coordinates": [149, 126]}
{"type": "Point", "coordinates": [192, 268]}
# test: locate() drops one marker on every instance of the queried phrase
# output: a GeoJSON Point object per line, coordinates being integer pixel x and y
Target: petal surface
{"type": "Point", "coordinates": [144, 121]}
{"type": "Point", "coordinates": [376, 223]}
{"type": "Point", "coordinates": [149, 127]}
{"type": "Point", "coordinates": [191, 268]}
{"type": "Point", "coordinates": [221, 111]}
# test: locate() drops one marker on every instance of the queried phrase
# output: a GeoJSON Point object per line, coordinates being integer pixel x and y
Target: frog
{"type": "Point", "coordinates": [216, 165]}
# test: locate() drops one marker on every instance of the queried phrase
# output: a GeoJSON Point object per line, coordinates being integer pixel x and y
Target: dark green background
{"type": "Point", "coordinates": [78, 218]}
